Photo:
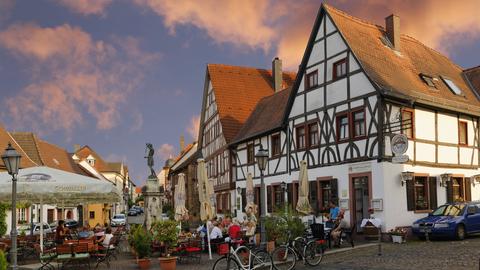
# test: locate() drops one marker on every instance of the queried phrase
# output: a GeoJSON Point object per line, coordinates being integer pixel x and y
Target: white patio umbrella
{"type": "Point", "coordinates": [52, 186]}
{"type": "Point", "coordinates": [303, 205]}
{"type": "Point", "coordinates": [181, 213]}
{"type": "Point", "coordinates": [205, 206]}
{"type": "Point", "coordinates": [250, 208]}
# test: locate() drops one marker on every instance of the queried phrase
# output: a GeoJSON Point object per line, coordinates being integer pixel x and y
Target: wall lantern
{"type": "Point", "coordinates": [475, 179]}
{"type": "Point", "coordinates": [239, 190]}
{"type": "Point", "coordinates": [406, 176]}
{"type": "Point", "coordinates": [444, 179]}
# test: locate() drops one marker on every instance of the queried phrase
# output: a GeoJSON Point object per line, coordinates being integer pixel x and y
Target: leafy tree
{"type": "Point", "coordinates": [3, 217]}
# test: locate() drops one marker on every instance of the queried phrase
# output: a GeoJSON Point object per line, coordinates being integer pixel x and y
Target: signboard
{"type": "Point", "coordinates": [399, 146]}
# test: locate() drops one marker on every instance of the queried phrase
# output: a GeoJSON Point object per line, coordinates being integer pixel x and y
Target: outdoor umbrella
{"type": "Point", "coordinates": [303, 205]}
{"type": "Point", "coordinates": [181, 213]}
{"type": "Point", "coordinates": [47, 185]}
{"type": "Point", "coordinates": [251, 207]}
{"type": "Point", "coordinates": [205, 206]}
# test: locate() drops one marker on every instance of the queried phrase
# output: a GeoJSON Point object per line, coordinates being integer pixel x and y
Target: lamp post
{"type": "Point", "coordinates": [11, 159]}
{"type": "Point", "coordinates": [283, 185]}
{"type": "Point", "coordinates": [262, 158]}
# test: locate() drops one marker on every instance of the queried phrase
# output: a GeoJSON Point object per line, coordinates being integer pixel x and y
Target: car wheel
{"type": "Point", "coordinates": [460, 232]}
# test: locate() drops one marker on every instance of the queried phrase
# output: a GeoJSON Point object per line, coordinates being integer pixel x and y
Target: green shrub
{"type": "Point", "coordinates": [165, 232]}
{"type": "Point", "coordinates": [142, 242]}
{"type": "Point", "coordinates": [3, 217]}
{"type": "Point", "coordinates": [3, 261]}
{"type": "Point", "coordinates": [280, 223]}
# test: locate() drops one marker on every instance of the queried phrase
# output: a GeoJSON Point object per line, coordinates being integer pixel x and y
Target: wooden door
{"type": "Point", "coordinates": [50, 213]}
{"type": "Point", "coordinates": [360, 200]}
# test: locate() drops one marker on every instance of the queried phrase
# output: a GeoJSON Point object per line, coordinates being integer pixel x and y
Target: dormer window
{"type": "Point", "coordinates": [452, 86]}
{"type": "Point", "coordinates": [429, 80]}
{"type": "Point", "coordinates": [91, 160]}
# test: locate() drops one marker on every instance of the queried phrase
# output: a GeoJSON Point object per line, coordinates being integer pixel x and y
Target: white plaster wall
{"type": "Point", "coordinates": [447, 154]}
{"type": "Point", "coordinates": [425, 152]}
{"type": "Point", "coordinates": [424, 124]}
{"type": "Point", "coordinates": [298, 106]}
{"type": "Point", "coordinates": [330, 27]}
{"type": "Point", "coordinates": [352, 64]}
{"type": "Point", "coordinates": [335, 44]}
{"type": "Point", "coordinates": [447, 128]}
{"type": "Point", "coordinates": [315, 99]}
{"type": "Point", "coordinates": [466, 155]}
{"type": "Point", "coordinates": [320, 30]}
{"type": "Point", "coordinates": [410, 149]}
{"type": "Point", "coordinates": [317, 54]}
{"type": "Point", "coordinates": [356, 103]}
{"type": "Point", "coordinates": [301, 86]}
{"type": "Point", "coordinates": [337, 91]}
{"type": "Point", "coordinates": [360, 85]}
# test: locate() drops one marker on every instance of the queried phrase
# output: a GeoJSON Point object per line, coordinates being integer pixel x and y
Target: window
{"type": "Point", "coordinates": [301, 137]}
{"type": "Point", "coordinates": [313, 196]}
{"type": "Point", "coordinates": [407, 123]}
{"type": "Point", "coordinates": [92, 214]}
{"type": "Point", "coordinates": [278, 196]}
{"type": "Point", "coordinates": [311, 80]}
{"type": "Point", "coordinates": [452, 86]}
{"type": "Point", "coordinates": [276, 150]}
{"type": "Point", "coordinates": [342, 127]}
{"type": "Point", "coordinates": [313, 134]}
{"type": "Point", "coordinates": [421, 193]}
{"type": "Point", "coordinates": [340, 69]}
{"type": "Point", "coordinates": [429, 80]}
{"type": "Point", "coordinates": [358, 123]}
{"type": "Point", "coordinates": [459, 190]}
{"type": "Point", "coordinates": [462, 133]}
{"type": "Point", "coordinates": [219, 203]}
{"type": "Point", "coordinates": [250, 154]}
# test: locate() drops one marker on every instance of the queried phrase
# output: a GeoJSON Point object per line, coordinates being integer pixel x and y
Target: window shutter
{"type": "Point", "coordinates": [432, 186]}
{"type": "Point", "coordinates": [334, 190]}
{"type": "Point", "coordinates": [269, 199]}
{"type": "Point", "coordinates": [468, 189]}
{"type": "Point", "coordinates": [410, 195]}
{"type": "Point", "coordinates": [244, 199]}
{"type": "Point", "coordinates": [450, 191]}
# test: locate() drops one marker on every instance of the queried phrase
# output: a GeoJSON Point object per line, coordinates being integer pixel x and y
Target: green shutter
{"type": "Point", "coordinates": [410, 195]}
{"type": "Point", "coordinates": [432, 186]}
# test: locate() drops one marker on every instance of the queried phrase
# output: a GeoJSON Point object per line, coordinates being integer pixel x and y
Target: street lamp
{"type": "Point", "coordinates": [283, 185]}
{"type": "Point", "coordinates": [262, 158]}
{"type": "Point", "coordinates": [11, 159]}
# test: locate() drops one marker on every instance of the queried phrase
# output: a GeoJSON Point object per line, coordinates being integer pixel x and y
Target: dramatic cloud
{"type": "Point", "coordinates": [6, 7]}
{"type": "Point", "coordinates": [166, 151]}
{"type": "Point", "coordinates": [86, 7]}
{"type": "Point", "coordinates": [73, 77]}
{"type": "Point", "coordinates": [193, 127]}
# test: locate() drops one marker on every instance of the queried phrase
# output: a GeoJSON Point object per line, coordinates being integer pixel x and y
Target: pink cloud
{"type": "Point", "coordinates": [166, 151]}
{"type": "Point", "coordinates": [86, 7]}
{"type": "Point", "coordinates": [73, 77]}
{"type": "Point", "coordinates": [194, 126]}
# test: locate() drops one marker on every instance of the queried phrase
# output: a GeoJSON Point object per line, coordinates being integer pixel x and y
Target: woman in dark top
{"type": "Point", "coordinates": [60, 232]}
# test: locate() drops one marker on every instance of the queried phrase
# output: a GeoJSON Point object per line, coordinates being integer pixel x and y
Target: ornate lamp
{"type": "Point", "coordinates": [406, 176]}
{"type": "Point", "coordinates": [11, 159]}
{"type": "Point", "coordinates": [444, 179]}
{"type": "Point", "coordinates": [283, 185]}
{"type": "Point", "coordinates": [239, 190]}
{"type": "Point", "coordinates": [262, 158]}
{"type": "Point", "coordinates": [475, 179]}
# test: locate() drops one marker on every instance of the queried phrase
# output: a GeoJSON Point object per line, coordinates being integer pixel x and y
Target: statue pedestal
{"type": "Point", "coordinates": [153, 198]}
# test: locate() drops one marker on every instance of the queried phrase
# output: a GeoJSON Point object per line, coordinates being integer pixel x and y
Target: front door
{"type": "Point", "coordinates": [361, 200]}
{"type": "Point", "coordinates": [50, 215]}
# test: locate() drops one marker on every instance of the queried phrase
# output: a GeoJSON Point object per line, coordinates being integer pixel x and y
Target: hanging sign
{"type": "Point", "coordinates": [399, 146]}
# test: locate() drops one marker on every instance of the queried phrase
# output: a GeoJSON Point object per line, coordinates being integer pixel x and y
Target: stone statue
{"type": "Point", "coordinates": [149, 156]}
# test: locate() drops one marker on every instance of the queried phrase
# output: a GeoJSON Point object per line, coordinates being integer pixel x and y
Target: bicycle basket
{"type": "Point", "coordinates": [222, 249]}
{"type": "Point", "coordinates": [318, 231]}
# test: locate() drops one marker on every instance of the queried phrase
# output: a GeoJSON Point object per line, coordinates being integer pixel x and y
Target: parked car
{"type": "Point", "coordinates": [36, 229]}
{"type": "Point", "coordinates": [138, 209]}
{"type": "Point", "coordinates": [453, 220]}
{"type": "Point", "coordinates": [132, 212]}
{"type": "Point", "coordinates": [118, 220]}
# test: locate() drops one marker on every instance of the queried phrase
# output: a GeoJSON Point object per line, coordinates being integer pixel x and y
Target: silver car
{"type": "Point", "coordinates": [25, 229]}
{"type": "Point", "coordinates": [118, 220]}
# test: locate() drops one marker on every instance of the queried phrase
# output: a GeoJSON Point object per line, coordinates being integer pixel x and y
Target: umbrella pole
{"type": "Point", "coordinates": [208, 239]}
{"type": "Point", "coordinates": [41, 224]}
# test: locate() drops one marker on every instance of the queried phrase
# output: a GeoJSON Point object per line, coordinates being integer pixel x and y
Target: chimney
{"type": "Point", "coordinates": [182, 144]}
{"type": "Point", "coordinates": [277, 74]}
{"type": "Point", "coordinates": [392, 26]}
{"type": "Point", "coordinates": [76, 147]}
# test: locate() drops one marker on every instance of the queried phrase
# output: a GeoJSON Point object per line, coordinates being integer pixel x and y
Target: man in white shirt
{"type": "Point", "coordinates": [216, 232]}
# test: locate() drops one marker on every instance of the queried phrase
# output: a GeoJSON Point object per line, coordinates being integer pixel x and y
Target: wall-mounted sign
{"type": "Point", "coordinates": [399, 145]}
{"type": "Point", "coordinates": [343, 204]}
{"type": "Point", "coordinates": [377, 204]}
{"type": "Point", "coordinates": [360, 167]}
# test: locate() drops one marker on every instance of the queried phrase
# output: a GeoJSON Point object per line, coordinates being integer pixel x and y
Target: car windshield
{"type": "Point", "coordinates": [118, 216]}
{"type": "Point", "coordinates": [449, 210]}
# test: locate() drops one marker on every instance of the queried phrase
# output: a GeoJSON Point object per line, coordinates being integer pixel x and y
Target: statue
{"type": "Point", "coordinates": [149, 156]}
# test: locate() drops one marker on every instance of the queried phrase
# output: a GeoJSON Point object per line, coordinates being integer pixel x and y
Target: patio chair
{"type": "Point", "coordinates": [102, 255]}
{"type": "Point", "coordinates": [347, 235]}
{"type": "Point", "coordinates": [46, 257]}
{"type": "Point", "coordinates": [81, 255]}
{"type": "Point", "coordinates": [64, 254]}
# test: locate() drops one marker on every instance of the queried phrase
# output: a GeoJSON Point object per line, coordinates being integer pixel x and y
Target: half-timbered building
{"type": "Point", "coordinates": [359, 85]}
{"type": "Point", "coordinates": [230, 95]}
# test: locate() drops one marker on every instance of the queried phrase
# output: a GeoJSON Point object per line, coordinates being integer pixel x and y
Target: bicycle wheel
{"type": "Point", "coordinates": [313, 253]}
{"type": "Point", "coordinates": [284, 258]}
{"type": "Point", "coordinates": [262, 260]}
{"type": "Point", "coordinates": [225, 263]}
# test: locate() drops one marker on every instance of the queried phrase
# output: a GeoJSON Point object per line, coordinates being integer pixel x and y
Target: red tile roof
{"type": "Point", "coordinates": [237, 91]}
{"type": "Point", "coordinates": [398, 75]}
{"type": "Point", "coordinates": [100, 164]}
{"type": "Point", "coordinates": [267, 116]}
{"type": "Point", "coordinates": [473, 77]}
{"type": "Point", "coordinates": [5, 138]}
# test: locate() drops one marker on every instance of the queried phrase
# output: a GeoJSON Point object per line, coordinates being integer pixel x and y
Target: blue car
{"type": "Point", "coordinates": [453, 220]}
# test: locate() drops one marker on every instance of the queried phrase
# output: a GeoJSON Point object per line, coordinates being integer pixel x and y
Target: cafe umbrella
{"type": "Point", "coordinates": [181, 213]}
{"type": "Point", "coordinates": [303, 205]}
{"type": "Point", "coordinates": [251, 207]}
{"type": "Point", "coordinates": [206, 212]}
{"type": "Point", "coordinates": [47, 185]}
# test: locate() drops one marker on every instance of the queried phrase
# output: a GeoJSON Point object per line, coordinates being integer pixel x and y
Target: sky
{"type": "Point", "coordinates": [116, 74]}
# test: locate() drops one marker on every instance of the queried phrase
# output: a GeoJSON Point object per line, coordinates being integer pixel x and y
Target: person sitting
{"type": "Point", "coordinates": [106, 238]}
{"type": "Point", "coordinates": [234, 230]}
{"type": "Point", "coordinates": [216, 232]}
{"type": "Point", "coordinates": [334, 210]}
{"type": "Point", "coordinates": [341, 224]}
{"type": "Point", "coordinates": [60, 232]}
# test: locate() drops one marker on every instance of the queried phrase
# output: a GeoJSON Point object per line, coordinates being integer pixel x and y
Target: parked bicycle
{"type": "Point", "coordinates": [244, 258]}
{"type": "Point", "coordinates": [306, 248]}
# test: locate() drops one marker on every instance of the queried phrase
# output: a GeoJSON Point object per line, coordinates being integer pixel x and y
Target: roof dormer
{"type": "Point", "coordinates": [91, 160]}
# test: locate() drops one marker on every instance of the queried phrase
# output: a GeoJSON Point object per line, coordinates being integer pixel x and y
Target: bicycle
{"type": "Point", "coordinates": [308, 249]}
{"type": "Point", "coordinates": [236, 259]}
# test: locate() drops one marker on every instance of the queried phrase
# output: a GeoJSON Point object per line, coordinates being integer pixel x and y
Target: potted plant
{"type": "Point", "coordinates": [274, 228]}
{"type": "Point", "coordinates": [165, 232]}
{"type": "Point", "coordinates": [398, 234]}
{"type": "Point", "coordinates": [142, 241]}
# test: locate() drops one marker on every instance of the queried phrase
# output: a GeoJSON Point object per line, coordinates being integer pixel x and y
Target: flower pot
{"type": "Point", "coordinates": [144, 263]}
{"type": "Point", "coordinates": [397, 239]}
{"type": "Point", "coordinates": [168, 263]}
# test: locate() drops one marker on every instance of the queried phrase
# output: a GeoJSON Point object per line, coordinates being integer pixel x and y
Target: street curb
{"type": "Point", "coordinates": [349, 248]}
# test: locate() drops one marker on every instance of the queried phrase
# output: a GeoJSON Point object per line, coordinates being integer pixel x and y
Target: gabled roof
{"type": "Point", "coordinates": [237, 90]}
{"type": "Point", "coordinates": [100, 164]}
{"type": "Point", "coordinates": [189, 153]}
{"type": "Point", "coordinates": [267, 116]}
{"type": "Point", "coordinates": [397, 74]}
{"type": "Point", "coordinates": [5, 138]}
{"type": "Point", "coordinates": [115, 167]}
{"type": "Point", "coordinates": [28, 142]}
